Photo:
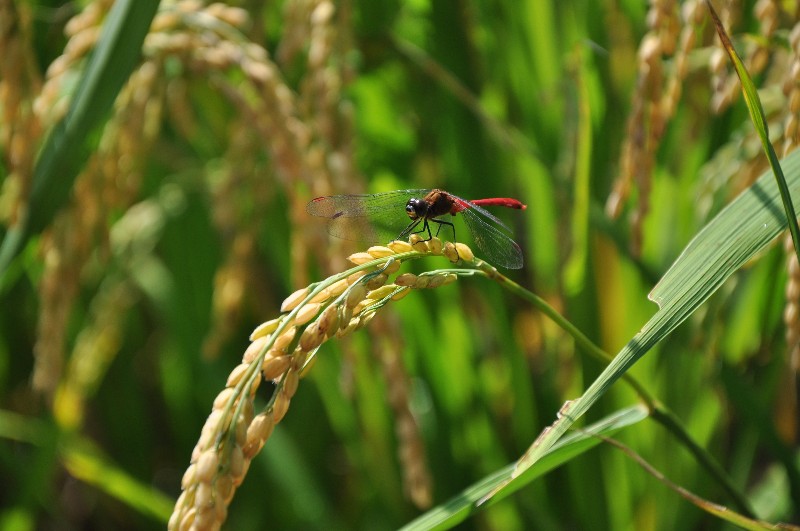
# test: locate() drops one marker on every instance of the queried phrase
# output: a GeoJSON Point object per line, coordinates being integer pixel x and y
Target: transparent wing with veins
{"type": "Point", "coordinates": [372, 218]}
{"type": "Point", "coordinates": [379, 218]}
{"type": "Point", "coordinates": [497, 246]}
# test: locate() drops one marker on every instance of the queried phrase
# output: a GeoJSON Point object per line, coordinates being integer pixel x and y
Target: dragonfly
{"type": "Point", "coordinates": [379, 217]}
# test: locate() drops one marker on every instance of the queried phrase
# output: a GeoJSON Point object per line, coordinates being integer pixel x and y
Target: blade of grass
{"type": "Point", "coordinates": [742, 229]}
{"type": "Point", "coordinates": [658, 411]}
{"type": "Point", "coordinates": [506, 134]}
{"type": "Point", "coordinates": [760, 122]}
{"type": "Point", "coordinates": [721, 512]}
{"type": "Point", "coordinates": [67, 147]}
{"type": "Point", "coordinates": [757, 413]}
{"type": "Point", "coordinates": [458, 508]}
{"type": "Point", "coordinates": [85, 462]}
{"type": "Point", "coordinates": [575, 268]}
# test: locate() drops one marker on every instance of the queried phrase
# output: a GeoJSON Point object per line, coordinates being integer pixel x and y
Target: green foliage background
{"type": "Point", "coordinates": [528, 99]}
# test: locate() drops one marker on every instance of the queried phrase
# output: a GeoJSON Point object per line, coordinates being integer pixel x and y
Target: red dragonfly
{"type": "Point", "coordinates": [376, 217]}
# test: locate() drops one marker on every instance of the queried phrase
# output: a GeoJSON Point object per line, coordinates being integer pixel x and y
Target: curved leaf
{"type": "Point", "coordinates": [458, 508]}
{"type": "Point", "coordinates": [66, 148]}
{"type": "Point", "coordinates": [741, 230]}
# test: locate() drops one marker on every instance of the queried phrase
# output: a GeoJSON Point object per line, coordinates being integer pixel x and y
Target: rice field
{"type": "Point", "coordinates": [187, 341]}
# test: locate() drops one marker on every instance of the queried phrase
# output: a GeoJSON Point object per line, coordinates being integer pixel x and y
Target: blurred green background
{"type": "Point", "coordinates": [173, 222]}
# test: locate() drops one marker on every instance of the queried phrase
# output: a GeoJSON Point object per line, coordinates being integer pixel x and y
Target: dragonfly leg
{"type": "Point", "coordinates": [426, 227]}
{"type": "Point", "coordinates": [453, 227]}
{"type": "Point", "coordinates": [442, 222]}
{"type": "Point", "coordinates": [407, 231]}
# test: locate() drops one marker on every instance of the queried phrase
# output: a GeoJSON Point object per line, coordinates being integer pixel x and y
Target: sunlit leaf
{"type": "Point", "coordinates": [459, 507]}
{"type": "Point", "coordinates": [68, 145]}
{"type": "Point", "coordinates": [760, 122]}
{"type": "Point", "coordinates": [742, 229]}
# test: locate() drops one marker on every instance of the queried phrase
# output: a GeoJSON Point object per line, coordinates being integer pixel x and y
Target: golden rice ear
{"type": "Point", "coordinates": [283, 340]}
{"type": "Point", "coordinates": [377, 281]}
{"type": "Point", "coordinates": [337, 288]}
{"type": "Point", "coordinates": [355, 277]}
{"type": "Point", "coordinates": [322, 296]}
{"type": "Point", "coordinates": [234, 434]}
{"type": "Point", "coordinates": [329, 320]}
{"type": "Point", "coordinates": [306, 313]}
{"type": "Point", "coordinates": [393, 268]}
{"type": "Point", "coordinates": [449, 278]}
{"type": "Point", "coordinates": [436, 281]}
{"type": "Point", "coordinates": [400, 246]}
{"type": "Point", "coordinates": [422, 282]}
{"type": "Point", "coordinates": [264, 329]}
{"type": "Point", "coordinates": [382, 292]}
{"type": "Point", "coordinates": [291, 302]}
{"type": "Point", "coordinates": [357, 293]}
{"type": "Point", "coordinates": [406, 279]}
{"type": "Point", "coordinates": [254, 349]}
{"type": "Point", "coordinates": [435, 245]}
{"type": "Point", "coordinates": [273, 367]}
{"type": "Point", "coordinates": [360, 258]}
{"type": "Point", "coordinates": [401, 294]}
{"type": "Point", "coordinates": [464, 252]}
{"type": "Point", "coordinates": [379, 251]}
{"type": "Point", "coordinates": [418, 244]}
{"type": "Point", "coordinates": [312, 337]}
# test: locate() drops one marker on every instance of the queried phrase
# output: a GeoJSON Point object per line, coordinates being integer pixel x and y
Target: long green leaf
{"type": "Point", "coordinates": [458, 508]}
{"type": "Point", "coordinates": [575, 268]}
{"type": "Point", "coordinates": [66, 149]}
{"type": "Point", "coordinates": [760, 122]}
{"type": "Point", "coordinates": [720, 511]}
{"type": "Point", "coordinates": [87, 463]}
{"type": "Point", "coordinates": [742, 229]}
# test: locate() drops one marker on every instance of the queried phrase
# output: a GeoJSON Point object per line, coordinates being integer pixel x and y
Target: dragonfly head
{"type": "Point", "coordinates": [416, 208]}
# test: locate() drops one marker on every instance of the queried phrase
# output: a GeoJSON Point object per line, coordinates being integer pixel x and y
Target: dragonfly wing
{"type": "Point", "coordinates": [498, 247]}
{"type": "Point", "coordinates": [361, 229]}
{"type": "Point", "coordinates": [485, 213]}
{"type": "Point", "coordinates": [372, 218]}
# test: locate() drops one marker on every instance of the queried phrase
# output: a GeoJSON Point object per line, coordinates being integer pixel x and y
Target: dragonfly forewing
{"type": "Point", "coordinates": [371, 218]}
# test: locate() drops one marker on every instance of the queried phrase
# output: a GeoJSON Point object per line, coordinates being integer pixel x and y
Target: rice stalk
{"type": "Point", "coordinates": [209, 42]}
{"type": "Point", "coordinates": [665, 60]}
{"type": "Point", "coordinates": [282, 351]}
{"type": "Point", "coordinates": [76, 248]}
{"type": "Point", "coordinates": [388, 348]}
{"type": "Point", "coordinates": [648, 119]}
{"type": "Point", "coordinates": [791, 311]}
{"type": "Point", "coordinates": [19, 125]}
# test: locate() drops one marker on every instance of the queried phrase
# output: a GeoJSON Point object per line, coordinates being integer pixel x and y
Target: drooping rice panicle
{"type": "Point", "coordinates": [281, 352]}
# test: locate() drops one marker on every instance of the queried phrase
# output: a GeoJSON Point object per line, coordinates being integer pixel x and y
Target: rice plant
{"type": "Point", "coordinates": [182, 345]}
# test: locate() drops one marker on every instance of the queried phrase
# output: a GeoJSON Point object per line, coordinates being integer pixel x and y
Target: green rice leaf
{"type": "Point", "coordinates": [458, 508]}
{"type": "Point", "coordinates": [86, 463]}
{"type": "Point", "coordinates": [67, 147]}
{"type": "Point", "coordinates": [760, 122]}
{"type": "Point", "coordinates": [741, 230]}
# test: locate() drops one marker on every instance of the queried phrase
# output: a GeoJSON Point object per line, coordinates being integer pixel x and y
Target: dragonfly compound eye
{"type": "Point", "coordinates": [414, 208]}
